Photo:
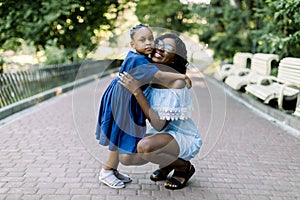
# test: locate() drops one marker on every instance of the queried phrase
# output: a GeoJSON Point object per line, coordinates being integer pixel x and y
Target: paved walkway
{"type": "Point", "coordinates": [49, 152]}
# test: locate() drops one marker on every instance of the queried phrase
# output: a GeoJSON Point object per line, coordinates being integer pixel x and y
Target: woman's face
{"type": "Point", "coordinates": [164, 52]}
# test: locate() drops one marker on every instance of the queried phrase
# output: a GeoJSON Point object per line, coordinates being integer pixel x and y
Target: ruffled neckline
{"type": "Point", "coordinates": [171, 104]}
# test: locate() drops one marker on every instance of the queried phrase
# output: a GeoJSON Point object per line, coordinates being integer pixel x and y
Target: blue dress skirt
{"type": "Point", "coordinates": [121, 122]}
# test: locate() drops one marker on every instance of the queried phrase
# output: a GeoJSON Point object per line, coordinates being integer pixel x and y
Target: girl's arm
{"type": "Point", "coordinates": [168, 77]}
{"type": "Point", "coordinates": [133, 86]}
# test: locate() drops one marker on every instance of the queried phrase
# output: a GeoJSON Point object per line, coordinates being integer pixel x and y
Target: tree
{"type": "Point", "coordinates": [69, 24]}
{"type": "Point", "coordinates": [167, 14]}
{"type": "Point", "coordinates": [265, 26]}
{"type": "Point", "coordinates": [278, 27]}
{"type": "Point", "coordinates": [227, 30]}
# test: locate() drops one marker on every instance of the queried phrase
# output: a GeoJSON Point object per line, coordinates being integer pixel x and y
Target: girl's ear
{"type": "Point", "coordinates": [132, 44]}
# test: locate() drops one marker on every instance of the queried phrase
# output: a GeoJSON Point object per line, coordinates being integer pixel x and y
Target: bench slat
{"type": "Point", "coordinates": [260, 65]}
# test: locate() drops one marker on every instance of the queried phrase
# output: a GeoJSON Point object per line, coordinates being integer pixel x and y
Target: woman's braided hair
{"type": "Point", "coordinates": [180, 58]}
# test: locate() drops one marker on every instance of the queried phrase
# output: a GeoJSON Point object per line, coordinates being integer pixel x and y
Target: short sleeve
{"type": "Point", "coordinates": [171, 104]}
{"type": "Point", "coordinates": [144, 72]}
{"type": "Point", "coordinates": [139, 66]}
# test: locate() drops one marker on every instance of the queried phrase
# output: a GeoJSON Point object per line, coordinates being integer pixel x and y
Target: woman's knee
{"type": "Point", "coordinates": [145, 146]}
{"type": "Point", "coordinates": [158, 142]}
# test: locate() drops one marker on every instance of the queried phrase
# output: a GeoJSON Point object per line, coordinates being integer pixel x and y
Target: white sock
{"type": "Point", "coordinates": [105, 172]}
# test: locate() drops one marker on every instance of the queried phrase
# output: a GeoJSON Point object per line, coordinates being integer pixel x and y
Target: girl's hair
{"type": "Point", "coordinates": [134, 29]}
{"type": "Point", "coordinates": [180, 57]}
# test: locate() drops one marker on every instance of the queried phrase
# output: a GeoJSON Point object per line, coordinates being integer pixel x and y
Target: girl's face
{"type": "Point", "coordinates": [164, 52]}
{"type": "Point", "coordinates": [143, 41]}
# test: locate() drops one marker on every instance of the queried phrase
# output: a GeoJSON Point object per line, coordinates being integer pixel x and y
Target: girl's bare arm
{"type": "Point", "coordinates": [168, 77]}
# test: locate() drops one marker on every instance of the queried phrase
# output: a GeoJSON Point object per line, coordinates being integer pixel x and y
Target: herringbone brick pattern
{"type": "Point", "coordinates": [49, 152]}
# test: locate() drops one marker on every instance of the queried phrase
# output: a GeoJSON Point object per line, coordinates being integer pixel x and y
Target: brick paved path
{"type": "Point", "coordinates": [49, 152]}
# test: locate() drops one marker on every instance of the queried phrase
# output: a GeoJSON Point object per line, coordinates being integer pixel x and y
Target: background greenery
{"type": "Point", "coordinates": [68, 30]}
{"type": "Point", "coordinates": [71, 27]}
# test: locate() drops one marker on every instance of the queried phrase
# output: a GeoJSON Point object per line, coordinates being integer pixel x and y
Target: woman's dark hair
{"type": "Point", "coordinates": [135, 28]}
{"type": "Point", "coordinates": [180, 58]}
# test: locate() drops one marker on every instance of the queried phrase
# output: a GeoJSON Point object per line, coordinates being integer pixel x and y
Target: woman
{"type": "Point", "coordinates": [168, 109]}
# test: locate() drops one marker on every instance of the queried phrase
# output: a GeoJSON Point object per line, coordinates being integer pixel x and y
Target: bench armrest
{"type": "Point", "coordinates": [284, 86]}
{"type": "Point", "coordinates": [263, 80]}
{"type": "Point", "coordinates": [226, 67]}
{"type": "Point", "coordinates": [240, 71]}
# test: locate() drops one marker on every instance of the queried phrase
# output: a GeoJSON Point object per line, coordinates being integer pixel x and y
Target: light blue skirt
{"type": "Point", "coordinates": [186, 134]}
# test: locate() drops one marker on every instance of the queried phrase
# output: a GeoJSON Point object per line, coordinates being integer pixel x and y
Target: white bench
{"type": "Point", "coordinates": [297, 110]}
{"type": "Point", "coordinates": [261, 64]}
{"type": "Point", "coordinates": [284, 87]}
{"type": "Point", "coordinates": [240, 60]}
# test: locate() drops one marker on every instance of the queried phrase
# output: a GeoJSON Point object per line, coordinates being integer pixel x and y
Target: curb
{"type": "Point", "coordinates": [38, 98]}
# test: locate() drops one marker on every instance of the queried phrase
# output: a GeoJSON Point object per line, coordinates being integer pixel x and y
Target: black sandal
{"type": "Point", "coordinates": [161, 174]}
{"type": "Point", "coordinates": [174, 184]}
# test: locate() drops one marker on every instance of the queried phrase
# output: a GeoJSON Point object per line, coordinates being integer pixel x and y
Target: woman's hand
{"type": "Point", "coordinates": [133, 86]}
{"type": "Point", "coordinates": [188, 82]}
{"type": "Point", "coordinates": [127, 81]}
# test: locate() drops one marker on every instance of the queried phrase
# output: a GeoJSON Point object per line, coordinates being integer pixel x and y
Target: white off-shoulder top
{"type": "Point", "coordinates": [171, 104]}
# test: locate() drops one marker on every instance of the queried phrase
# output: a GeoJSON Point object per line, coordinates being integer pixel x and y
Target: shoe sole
{"type": "Point", "coordinates": [112, 186]}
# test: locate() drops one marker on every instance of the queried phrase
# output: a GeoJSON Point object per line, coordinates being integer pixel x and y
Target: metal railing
{"type": "Point", "coordinates": [26, 83]}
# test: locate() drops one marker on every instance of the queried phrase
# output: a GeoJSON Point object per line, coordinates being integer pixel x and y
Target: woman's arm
{"type": "Point", "coordinates": [133, 86]}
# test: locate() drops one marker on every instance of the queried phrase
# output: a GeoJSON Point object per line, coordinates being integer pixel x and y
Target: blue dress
{"type": "Point", "coordinates": [121, 122]}
{"type": "Point", "coordinates": [176, 105]}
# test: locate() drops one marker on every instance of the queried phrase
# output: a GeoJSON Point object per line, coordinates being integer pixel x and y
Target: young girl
{"type": "Point", "coordinates": [121, 122]}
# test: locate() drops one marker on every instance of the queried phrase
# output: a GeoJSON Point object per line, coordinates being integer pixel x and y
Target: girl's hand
{"type": "Point", "coordinates": [127, 81]}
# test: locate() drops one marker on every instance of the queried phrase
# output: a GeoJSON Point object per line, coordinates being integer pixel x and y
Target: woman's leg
{"type": "Point", "coordinates": [160, 148]}
{"type": "Point", "coordinates": [183, 171]}
{"type": "Point", "coordinates": [164, 150]}
{"type": "Point", "coordinates": [132, 159]}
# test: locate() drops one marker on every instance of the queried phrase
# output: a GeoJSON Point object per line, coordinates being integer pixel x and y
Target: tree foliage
{"type": "Point", "coordinates": [227, 26]}
{"type": "Point", "coordinates": [167, 14]}
{"type": "Point", "coordinates": [69, 24]}
{"type": "Point", "coordinates": [278, 27]}
{"type": "Point", "coordinates": [267, 26]}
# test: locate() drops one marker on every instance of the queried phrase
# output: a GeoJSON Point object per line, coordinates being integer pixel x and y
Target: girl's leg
{"type": "Point", "coordinates": [109, 173]}
{"type": "Point", "coordinates": [112, 161]}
